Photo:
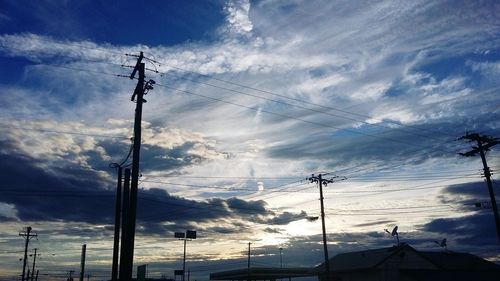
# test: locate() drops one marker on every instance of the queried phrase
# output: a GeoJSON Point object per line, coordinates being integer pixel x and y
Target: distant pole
{"type": "Point", "coordinates": [318, 179]}
{"type": "Point", "coordinates": [82, 262]}
{"type": "Point", "coordinates": [125, 214]}
{"type": "Point", "coordinates": [33, 268]}
{"type": "Point", "coordinates": [248, 265]}
{"type": "Point", "coordinates": [36, 278]}
{"type": "Point", "coordinates": [116, 242]}
{"type": "Point", "coordinates": [184, 261]}
{"type": "Point", "coordinates": [281, 257]}
{"type": "Point", "coordinates": [483, 144]}
{"type": "Point", "coordinates": [27, 235]}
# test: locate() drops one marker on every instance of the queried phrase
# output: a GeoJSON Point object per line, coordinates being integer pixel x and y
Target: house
{"type": "Point", "coordinates": [406, 263]}
{"type": "Point", "coordinates": [398, 263]}
{"type": "Point", "coordinates": [263, 273]}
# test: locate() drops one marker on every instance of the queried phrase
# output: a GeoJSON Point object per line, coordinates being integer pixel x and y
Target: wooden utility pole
{"type": "Point", "coordinates": [124, 236]}
{"type": "Point", "coordinates": [27, 236]}
{"type": "Point", "coordinates": [82, 262]}
{"type": "Point", "coordinates": [248, 264]}
{"type": "Point", "coordinates": [141, 89]}
{"type": "Point", "coordinates": [321, 181]}
{"type": "Point", "coordinates": [484, 143]}
{"type": "Point", "coordinates": [33, 268]}
{"type": "Point", "coordinates": [138, 95]}
{"type": "Point", "coordinates": [116, 242]}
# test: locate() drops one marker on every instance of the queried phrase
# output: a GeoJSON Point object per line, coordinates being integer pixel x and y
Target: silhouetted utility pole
{"type": "Point", "coordinates": [319, 179]}
{"type": "Point", "coordinates": [141, 89]}
{"type": "Point", "coordinates": [484, 143]}
{"type": "Point", "coordinates": [82, 262]}
{"type": "Point", "coordinates": [27, 236]}
{"type": "Point", "coordinates": [248, 265]}
{"type": "Point", "coordinates": [116, 242]}
{"type": "Point", "coordinates": [125, 214]}
{"type": "Point", "coordinates": [33, 268]}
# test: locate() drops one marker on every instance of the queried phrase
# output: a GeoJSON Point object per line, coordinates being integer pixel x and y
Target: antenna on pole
{"type": "Point", "coordinates": [442, 244]}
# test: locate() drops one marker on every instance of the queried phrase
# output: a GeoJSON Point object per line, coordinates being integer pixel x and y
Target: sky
{"type": "Point", "coordinates": [251, 98]}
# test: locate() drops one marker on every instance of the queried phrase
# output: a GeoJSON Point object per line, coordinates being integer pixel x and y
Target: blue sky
{"type": "Point", "coordinates": [251, 97]}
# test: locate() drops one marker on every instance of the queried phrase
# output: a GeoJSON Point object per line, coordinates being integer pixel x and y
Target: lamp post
{"type": "Point", "coordinates": [188, 236]}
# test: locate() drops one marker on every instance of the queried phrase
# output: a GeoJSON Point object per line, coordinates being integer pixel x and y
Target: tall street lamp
{"type": "Point", "coordinates": [188, 236]}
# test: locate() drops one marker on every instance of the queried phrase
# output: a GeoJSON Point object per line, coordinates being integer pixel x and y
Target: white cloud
{"type": "Point", "coordinates": [372, 91]}
{"type": "Point", "coordinates": [238, 16]}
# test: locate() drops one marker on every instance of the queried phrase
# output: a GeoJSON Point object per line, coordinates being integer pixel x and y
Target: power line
{"type": "Point", "coordinates": [289, 98]}
{"type": "Point", "coordinates": [62, 132]}
{"type": "Point", "coordinates": [73, 68]}
{"type": "Point", "coordinates": [292, 117]}
{"type": "Point", "coordinates": [301, 107]}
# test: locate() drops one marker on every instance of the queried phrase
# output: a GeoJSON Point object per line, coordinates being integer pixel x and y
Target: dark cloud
{"type": "Point", "coordinates": [473, 233]}
{"type": "Point", "coordinates": [162, 159]}
{"type": "Point", "coordinates": [64, 193]}
{"type": "Point", "coordinates": [286, 218]}
{"type": "Point", "coordinates": [411, 145]}
{"type": "Point", "coordinates": [476, 229]}
{"type": "Point", "coordinates": [379, 222]}
{"type": "Point", "coordinates": [470, 191]}
{"type": "Point", "coordinates": [77, 195]}
{"type": "Point", "coordinates": [158, 158]}
{"type": "Point", "coordinates": [273, 230]}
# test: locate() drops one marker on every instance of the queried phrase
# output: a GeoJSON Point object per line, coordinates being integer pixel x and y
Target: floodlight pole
{"type": "Point", "coordinates": [188, 235]}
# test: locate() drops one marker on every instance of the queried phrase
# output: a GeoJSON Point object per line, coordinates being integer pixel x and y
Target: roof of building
{"type": "Point", "coordinates": [372, 259]}
{"type": "Point", "coordinates": [262, 273]}
{"type": "Point", "coordinates": [459, 261]}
